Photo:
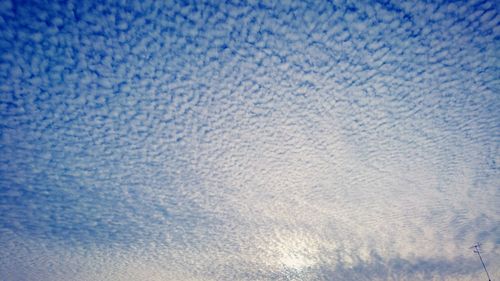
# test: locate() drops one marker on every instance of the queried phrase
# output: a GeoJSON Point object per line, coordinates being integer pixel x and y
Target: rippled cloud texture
{"type": "Point", "coordinates": [278, 140]}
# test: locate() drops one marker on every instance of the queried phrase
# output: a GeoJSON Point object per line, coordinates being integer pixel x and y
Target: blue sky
{"type": "Point", "coordinates": [276, 140]}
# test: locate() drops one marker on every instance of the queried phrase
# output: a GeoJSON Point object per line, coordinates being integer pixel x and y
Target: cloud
{"type": "Point", "coordinates": [248, 141]}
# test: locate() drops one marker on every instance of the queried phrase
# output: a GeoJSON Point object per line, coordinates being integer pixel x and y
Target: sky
{"type": "Point", "coordinates": [259, 140]}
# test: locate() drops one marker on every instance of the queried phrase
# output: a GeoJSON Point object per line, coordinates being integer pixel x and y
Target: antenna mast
{"type": "Point", "coordinates": [476, 250]}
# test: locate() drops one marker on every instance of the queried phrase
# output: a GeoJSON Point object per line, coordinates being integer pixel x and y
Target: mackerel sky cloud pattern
{"type": "Point", "coordinates": [276, 140]}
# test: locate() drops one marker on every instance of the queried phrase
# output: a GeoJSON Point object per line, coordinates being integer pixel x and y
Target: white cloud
{"type": "Point", "coordinates": [248, 141]}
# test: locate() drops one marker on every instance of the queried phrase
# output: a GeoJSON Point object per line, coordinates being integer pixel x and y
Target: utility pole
{"type": "Point", "coordinates": [476, 250]}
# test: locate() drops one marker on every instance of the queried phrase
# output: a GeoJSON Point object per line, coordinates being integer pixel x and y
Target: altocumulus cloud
{"type": "Point", "coordinates": [277, 140]}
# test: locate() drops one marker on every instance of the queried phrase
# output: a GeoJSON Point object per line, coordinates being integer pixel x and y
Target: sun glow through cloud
{"type": "Point", "coordinates": [295, 253]}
